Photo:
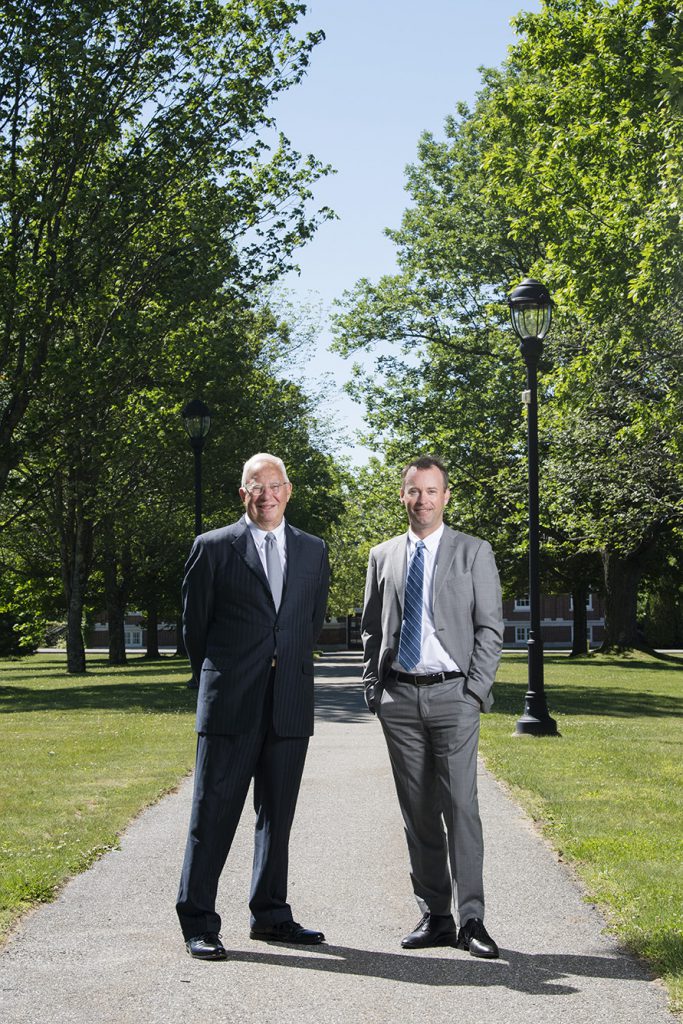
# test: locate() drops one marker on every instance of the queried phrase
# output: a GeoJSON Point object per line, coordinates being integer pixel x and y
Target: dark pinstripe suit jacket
{"type": "Point", "coordinates": [232, 630]}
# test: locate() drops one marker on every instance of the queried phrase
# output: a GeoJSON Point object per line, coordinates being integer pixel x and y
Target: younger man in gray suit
{"type": "Point", "coordinates": [433, 631]}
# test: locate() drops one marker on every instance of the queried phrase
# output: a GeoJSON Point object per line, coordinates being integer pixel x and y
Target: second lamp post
{"type": "Point", "coordinates": [531, 313]}
{"type": "Point", "coordinates": [197, 421]}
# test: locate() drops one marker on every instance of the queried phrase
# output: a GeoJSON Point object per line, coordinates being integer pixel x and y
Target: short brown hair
{"type": "Point", "coordinates": [427, 462]}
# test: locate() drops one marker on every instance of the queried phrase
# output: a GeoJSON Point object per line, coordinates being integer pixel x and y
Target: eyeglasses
{"type": "Point", "coordinates": [256, 490]}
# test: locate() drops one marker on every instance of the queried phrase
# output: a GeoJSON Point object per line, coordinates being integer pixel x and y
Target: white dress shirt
{"type": "Point", "coordinates": [433, 657]}
{"type": "Point", "coordinates": [259, 538]}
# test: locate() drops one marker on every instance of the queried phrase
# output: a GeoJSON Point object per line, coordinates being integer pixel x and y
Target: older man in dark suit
{"type": "Point", "coordinates": [254, 598]}
{"type": "Point", "coordinates": [433, 631]}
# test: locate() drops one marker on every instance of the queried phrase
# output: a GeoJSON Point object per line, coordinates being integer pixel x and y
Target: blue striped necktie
{"type": "Point", "coordinates": [410, 646]}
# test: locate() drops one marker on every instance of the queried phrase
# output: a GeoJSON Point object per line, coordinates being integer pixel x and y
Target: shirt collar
{"type": "Point", "coordinates": [431, 542]}
{"type": "Point", "coordinates": [259, 535]}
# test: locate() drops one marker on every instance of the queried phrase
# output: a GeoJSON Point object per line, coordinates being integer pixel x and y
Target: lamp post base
{"type": "Point", "coordinates": [536, 724]}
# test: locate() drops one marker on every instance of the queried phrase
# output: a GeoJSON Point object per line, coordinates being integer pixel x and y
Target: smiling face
{"type": "Point", "coordinates": [265, 495]}
{"type": "Point", "coordinates": [425, 497]}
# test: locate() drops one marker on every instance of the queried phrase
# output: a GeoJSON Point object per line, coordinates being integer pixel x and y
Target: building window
{"type": "Point", "coordinates": [522, 603]}
{"type": "Point", "coordinates": [133, 636]}
{"type": "Point", "coordinates": [522, 634]}
{"type": "Point", "coordinates": [589, 603]}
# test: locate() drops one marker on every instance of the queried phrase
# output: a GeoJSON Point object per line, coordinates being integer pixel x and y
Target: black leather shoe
{"type": "Point", "coordinates": [206, 947]}
{"type": "Point", "coordinates": [473, 936]}
{"type": "Point", "coordinates": [287, 931]}
{"type": "Point", "coordinates": [432, 930]}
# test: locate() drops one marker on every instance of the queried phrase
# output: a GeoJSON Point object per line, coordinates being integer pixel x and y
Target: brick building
{"type": "Point", "coordinates": [557, 625]}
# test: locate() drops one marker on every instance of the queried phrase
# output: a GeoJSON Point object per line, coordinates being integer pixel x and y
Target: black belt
{"type": "Point", "coordinates": [430, 680]}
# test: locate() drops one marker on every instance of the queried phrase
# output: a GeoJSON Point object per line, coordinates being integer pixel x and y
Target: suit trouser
{"type": "Point", "coordinates": [432, 734]}
{"type": "Point", "coordinates": [224, 768]}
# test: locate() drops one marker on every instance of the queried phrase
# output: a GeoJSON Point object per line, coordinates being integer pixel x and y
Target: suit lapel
{"type": "Point", "coordinates": [246, 549]}
{"type": "Point", "coordinates": [398, 567]}
{"type": "Point", "coordinates": [292, 542]}
{"type": "Point", "coordinates": [444, 559]}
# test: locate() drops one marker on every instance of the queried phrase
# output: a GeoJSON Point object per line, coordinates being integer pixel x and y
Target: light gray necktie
{"type": "Point", "coordinates": [274, 569]}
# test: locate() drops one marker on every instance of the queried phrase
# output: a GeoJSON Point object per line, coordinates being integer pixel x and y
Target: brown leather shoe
{"type": "Point", "coordinates": [207, 946]}
{"type": "Point", "coordinates": [432, 930]}
{"type": "Point", "coordinates": [474, 937]}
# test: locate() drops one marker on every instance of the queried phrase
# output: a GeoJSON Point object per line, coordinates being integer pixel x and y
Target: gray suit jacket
{"type": "Point", "coordinates": [232, 630]}
{"type": "Point", "coordinates": [468, 612]}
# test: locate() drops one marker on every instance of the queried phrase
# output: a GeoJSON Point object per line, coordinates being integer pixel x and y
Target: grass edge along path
{"type": "Point", "coordinates": [80, 758]}
{"type": "Point", "coordinates": [608, 792]}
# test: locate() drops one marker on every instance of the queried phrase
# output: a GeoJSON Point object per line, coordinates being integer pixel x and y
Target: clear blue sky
{"type": "Point", "coordinates": [387, 71]}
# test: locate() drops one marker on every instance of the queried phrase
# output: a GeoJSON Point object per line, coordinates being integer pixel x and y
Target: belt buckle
{"type": "Point", "coordinates": [428, 679]}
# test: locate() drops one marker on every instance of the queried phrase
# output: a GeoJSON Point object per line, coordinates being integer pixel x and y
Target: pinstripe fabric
{"type": "Point", "coordinates": [232, 629]}
{"type": "Point", "coordinates": [225, 767]}
{"type": "Point", "coordinates": [410, 646]}
{"type": "Point", "coordinates": [253, 720]}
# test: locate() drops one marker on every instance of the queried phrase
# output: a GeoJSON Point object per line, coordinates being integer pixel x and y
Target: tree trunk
{"type": "Point", "coordinates": [181, 652]}
{"type": "Point", "coordinates": [76, 556]}
{"type": "Point", "coordinates": [580, 632]}
{"type": "Point", "coordinates": [622, 579]}
{"type": "Point", "coordinates": [152, 631]}
{"type": "Point", "coordinates": [116, 574]}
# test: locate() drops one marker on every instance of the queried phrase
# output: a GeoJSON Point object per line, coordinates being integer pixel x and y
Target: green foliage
{"type": "Point", "coordinates": [566, 168]}
{"type": "Point", "coordinates": [586, 144]}
{"type": "Point", "coordinates": [146, 201]}
{"type": "Point", "coordinates": [135, 178]}
{"type": "Point", "coordinates": [609, 792]}
{"type": "Point", "coordinates": [372, 513]}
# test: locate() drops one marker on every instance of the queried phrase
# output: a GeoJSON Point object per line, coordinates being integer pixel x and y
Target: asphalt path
{"type": "Point", "coordinates": [109, 950]}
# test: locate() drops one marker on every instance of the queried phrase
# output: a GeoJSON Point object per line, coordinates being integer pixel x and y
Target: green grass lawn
{"type": "Point", "coordinates": [609, 791]}
{"type": "Point", "coordinates": [79, 757]}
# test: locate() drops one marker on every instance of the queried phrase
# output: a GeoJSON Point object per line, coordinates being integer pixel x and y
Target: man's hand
{"type": "Point", "coordinates": [370, 698]}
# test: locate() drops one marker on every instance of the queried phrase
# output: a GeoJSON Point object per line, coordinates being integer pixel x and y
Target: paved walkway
{"type": "Point", "coordinates": [109, 951]}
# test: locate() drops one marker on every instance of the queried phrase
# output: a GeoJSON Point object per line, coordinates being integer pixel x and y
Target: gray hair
{"type": "Point", "coordinates": [250, 465]}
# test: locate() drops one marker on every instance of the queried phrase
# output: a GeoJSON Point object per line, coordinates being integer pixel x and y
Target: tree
{"type": "Point", "coordinates": [137, 501]}
{"type": "Point", "coordinates": [564, 169]}
{"type": "Point", "coordinates": [583, 142]}
{"type": "Point", "coordinates": [138, 192]}
{"type": "Point", "coordinates": [134, 174]}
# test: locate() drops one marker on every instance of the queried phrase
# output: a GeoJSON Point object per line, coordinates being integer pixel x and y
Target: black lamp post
{"type": "Point", "coordinates": [531, 313]}
{"type": "Point", "coordinates": [197, 420]}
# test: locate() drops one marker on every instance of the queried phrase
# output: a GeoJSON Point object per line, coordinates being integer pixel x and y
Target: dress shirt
{"type": "Point", "coordinates": [259, 538]}
{"type": "Point", "coordinates": [433, 657]}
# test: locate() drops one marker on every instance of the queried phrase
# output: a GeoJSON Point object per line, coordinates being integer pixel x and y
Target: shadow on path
{"type": "Point", "coordinates": [535, 974]}
{"type": "Point", "coordinates": [339, 688]}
